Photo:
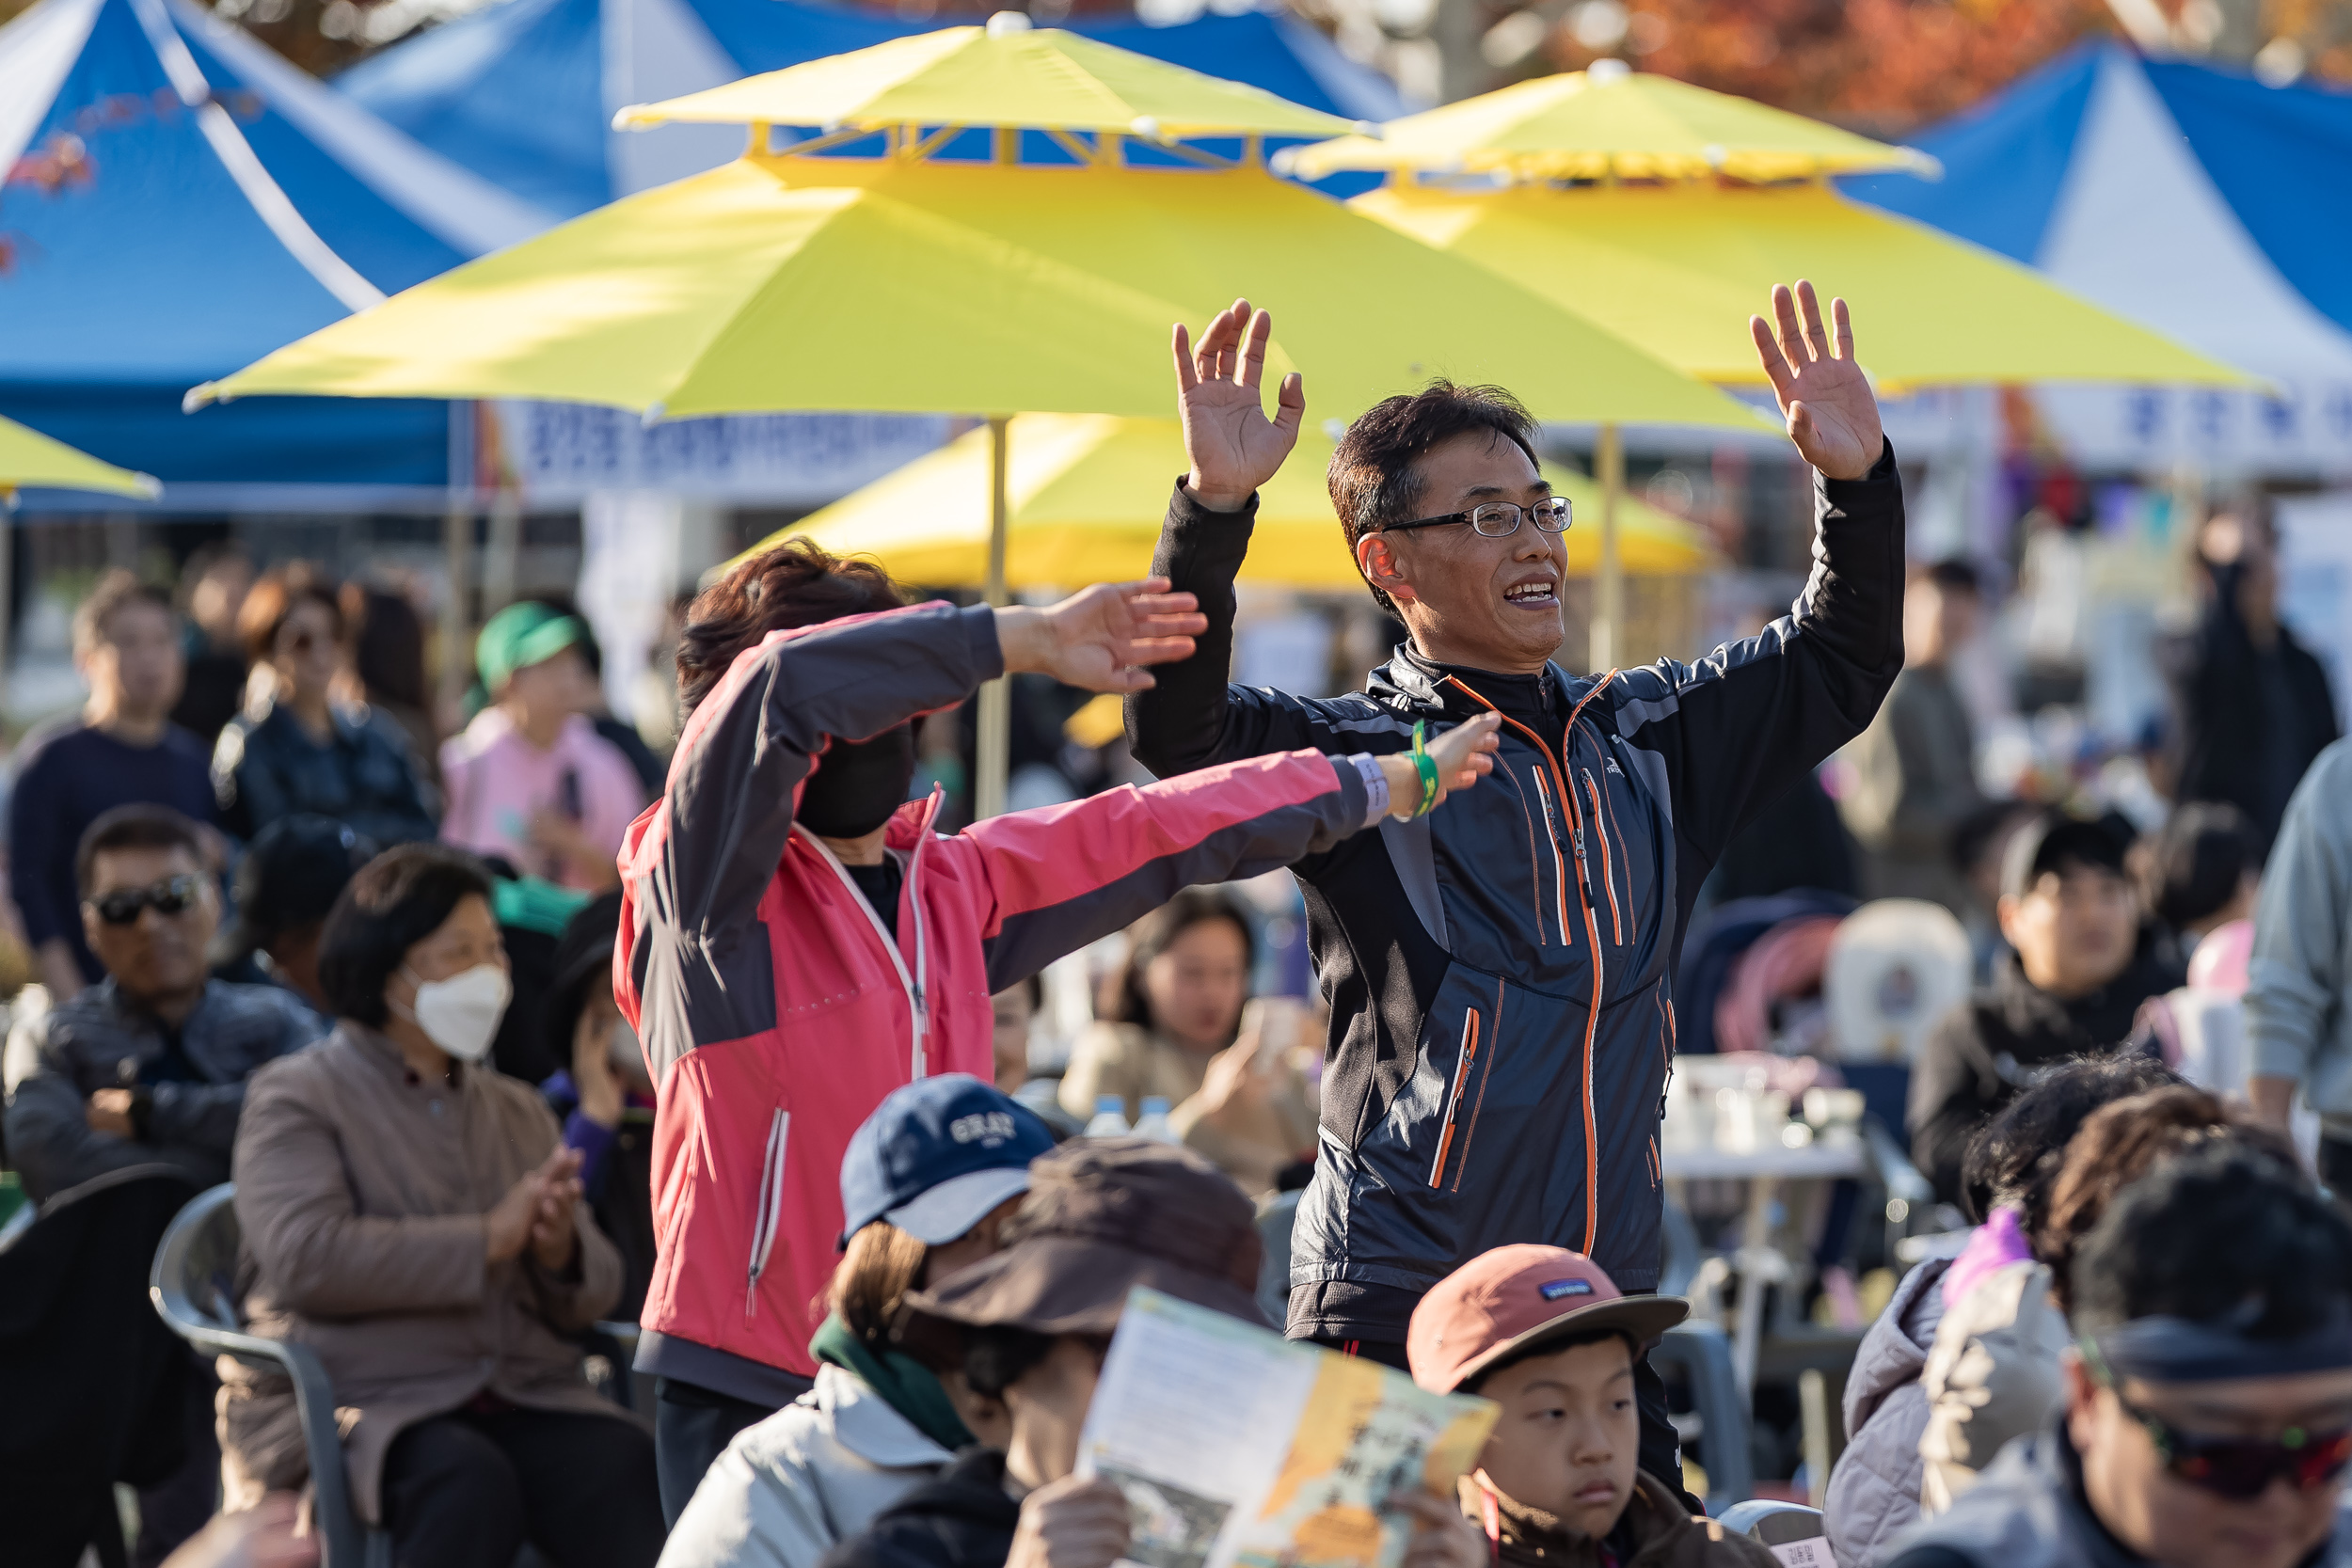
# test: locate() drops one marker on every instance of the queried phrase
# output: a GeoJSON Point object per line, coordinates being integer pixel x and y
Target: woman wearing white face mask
{"type": "Point", "coordinates": [411, 1216]}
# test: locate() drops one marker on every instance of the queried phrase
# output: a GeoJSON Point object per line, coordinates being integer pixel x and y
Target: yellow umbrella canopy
{"type": "Point", "coordinates": [1045, 79]}
{"type": "Point", "coordinates": [28, 459]}
{"type": "Point", "coordinates": [1602, 124]}
{"type": "Point", "coordinates": [901, 284]}
{"type": "Point", "coordinates": [1086, 494]}
{"type": "Point", "coordinates": [1675, 269]}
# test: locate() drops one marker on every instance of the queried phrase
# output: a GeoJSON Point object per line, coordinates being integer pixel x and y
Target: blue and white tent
{"type": "Point", "coordinates": [179, 201]}
{"type": "Point", "coordinates": [523, 91]}
{"type": "Point", "coordinates": [2196, 201]}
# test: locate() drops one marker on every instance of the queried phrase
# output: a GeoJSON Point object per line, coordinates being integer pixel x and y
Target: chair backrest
{"type": "Point", "coordinates": [1791, 1532]}
{"type": "Point", "coordinates": [193, 1283]}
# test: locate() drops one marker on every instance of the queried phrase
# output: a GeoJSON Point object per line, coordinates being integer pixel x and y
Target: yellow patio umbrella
{"type": "Point", "coordinates": [30, 460]}
{"type": "Point", "coordinates": [1608, 123]}
{"type": "Point", "coordinates": [1651, 261]}
{"type": "Point", "coordinates": [1085, 494]}
{"type": "Point", "coordinates": [1676, 268]}
{"type": "Point", "coordinates": [921, 280]}
{"type": "Point", "coordinates": [964, 76]}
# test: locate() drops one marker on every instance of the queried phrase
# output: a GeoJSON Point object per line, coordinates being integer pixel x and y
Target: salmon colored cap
{"type": "Point", "coordinates": [1516, 1298]}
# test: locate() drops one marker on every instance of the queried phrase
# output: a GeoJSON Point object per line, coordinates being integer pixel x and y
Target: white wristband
{"type": "Point", "coordinates": [1376, 788]}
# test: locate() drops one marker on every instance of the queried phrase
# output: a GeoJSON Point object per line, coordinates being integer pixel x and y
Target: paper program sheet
{"type": "Point", "coordinates": [1239, 1449]}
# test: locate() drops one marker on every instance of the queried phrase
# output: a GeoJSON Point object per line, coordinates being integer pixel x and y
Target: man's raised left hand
{"type": "Point", "coordinates": [1832, 415]}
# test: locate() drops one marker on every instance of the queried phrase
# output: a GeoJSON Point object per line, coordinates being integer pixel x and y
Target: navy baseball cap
{"type": "Point", "coordinates": [936, 1156]}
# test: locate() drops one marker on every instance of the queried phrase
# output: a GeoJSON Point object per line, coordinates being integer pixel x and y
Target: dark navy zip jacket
{"type": "Point", "coordinates": [1501, 972]}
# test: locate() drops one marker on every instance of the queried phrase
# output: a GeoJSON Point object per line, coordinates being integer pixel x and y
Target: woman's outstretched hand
{"type": "Point", "coordinates": [1462, 754]}
{"type": "Point", "coordinates": [1100, 638]}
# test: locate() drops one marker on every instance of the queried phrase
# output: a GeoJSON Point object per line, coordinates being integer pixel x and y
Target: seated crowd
{"type": "Point", "coordinates": [409, 1058]}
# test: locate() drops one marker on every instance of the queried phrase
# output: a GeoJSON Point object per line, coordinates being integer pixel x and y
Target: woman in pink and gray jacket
{"type": "Point", "coordinates": [797, 940]}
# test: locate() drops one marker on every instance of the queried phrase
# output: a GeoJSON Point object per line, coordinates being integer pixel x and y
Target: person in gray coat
{"type": "Point", "coordinates": [149, 1066]}
{"type": "Point", "coordinates": [928, 1179]}
{"type": "Point", "coordinates": [2298, 995]}
{"type": "Point", "coordinates": [2207, 1415]}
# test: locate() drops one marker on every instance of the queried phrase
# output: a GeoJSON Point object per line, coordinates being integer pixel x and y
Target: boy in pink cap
{"type": "Point", "coordinates": [1546, 1334]}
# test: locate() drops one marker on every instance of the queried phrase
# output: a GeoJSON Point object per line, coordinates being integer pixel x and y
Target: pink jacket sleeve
{"type": "Point", "coordinates": [1063, 876]}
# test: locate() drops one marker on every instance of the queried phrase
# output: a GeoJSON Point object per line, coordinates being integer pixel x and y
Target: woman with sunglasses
{"type": "Point", "coordinates": [2207, 1411]}
{"type": "Point", "coordinates": [294, 748]}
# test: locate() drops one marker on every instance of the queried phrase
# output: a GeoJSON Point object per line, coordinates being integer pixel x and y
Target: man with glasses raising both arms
{"type": "Point", "coordinates": [1500, 978]}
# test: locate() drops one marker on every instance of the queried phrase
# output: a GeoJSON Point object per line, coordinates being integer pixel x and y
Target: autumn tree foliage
{"type": "Point", "coordinates": [1880, 65]}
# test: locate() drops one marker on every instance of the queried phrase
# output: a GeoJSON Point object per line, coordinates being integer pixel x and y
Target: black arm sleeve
{"type": "Point", "coordinates": [1739, 726]}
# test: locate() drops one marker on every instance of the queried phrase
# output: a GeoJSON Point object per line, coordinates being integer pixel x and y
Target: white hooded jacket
{"type": "Point", "coordinates": [812, 1474]}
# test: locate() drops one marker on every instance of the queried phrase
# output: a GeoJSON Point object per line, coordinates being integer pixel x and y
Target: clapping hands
{"type": "Point", "coordinates": [536, 1212]}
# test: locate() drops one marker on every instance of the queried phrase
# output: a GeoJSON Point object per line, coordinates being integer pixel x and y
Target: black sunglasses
{"type": "Point", "coordinates": [2239, 1468]}
{"type": "Point", "coordinates": [173, 895]}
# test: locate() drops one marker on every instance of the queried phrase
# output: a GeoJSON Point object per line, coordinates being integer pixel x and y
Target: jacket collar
{"type": "Point", "coordinates": [2099, 1018]}
{"type": "Point", "coordinates": [1418, 683]}
{"type": "Point", "coordinates": [1529, 1536]}
{"type": "Point", "coordinates": [109, 996]}
{"type": "Point", "coordinates": [912, 823]}
{"type": "Point", "coordinates": [864, 1423]}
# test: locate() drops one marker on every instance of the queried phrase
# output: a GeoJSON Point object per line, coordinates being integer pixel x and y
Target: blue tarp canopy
{"type": "Point", "coordinates": [523, 91]}
{"type": "Point", "coordinates": [181, 201]}
{"type": "Point", "coordinates": [2193, 198]}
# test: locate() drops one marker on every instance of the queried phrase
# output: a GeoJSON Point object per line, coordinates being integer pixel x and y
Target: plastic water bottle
{"type": "Point", "coordinates": [1110, 1117]}
{"type": "Point", "coordinates": [1154, 1124]}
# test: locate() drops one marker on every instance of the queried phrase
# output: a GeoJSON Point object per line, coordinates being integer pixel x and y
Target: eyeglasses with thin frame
{"type": "Point", "coordinates": [173, 895]}
{"type": "Point", "coordinates": [2241, 1469]}
{"type": "Point", "coordinates": [1500, 519]}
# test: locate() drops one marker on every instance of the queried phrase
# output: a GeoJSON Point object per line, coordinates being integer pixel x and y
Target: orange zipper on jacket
{"type": "Point", "coordinates": [1592, 931]}
{"type": "Point", "coordinates": [1608, 874]}
{"type": "Point", "coordinates": [1454, 1099]}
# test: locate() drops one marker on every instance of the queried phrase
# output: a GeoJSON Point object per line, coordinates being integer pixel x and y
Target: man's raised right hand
{"type": "Point", "coordinates": [1233, 447]}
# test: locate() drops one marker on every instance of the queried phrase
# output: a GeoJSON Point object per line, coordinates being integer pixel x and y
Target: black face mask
{"type": "Point", "coordinates": [858, 783]}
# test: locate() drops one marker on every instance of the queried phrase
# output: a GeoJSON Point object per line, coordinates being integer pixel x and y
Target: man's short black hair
{"type": "Point", "coordinates": [2223, 1232]}
{"type": "Point", "coordinates": [2197, 861]}
{"type": "Point", "coordinates": [2016, 1158]}
{"type": "Point", "coordinates": [394, 902]}
{"type": "Point", "coordinates": [137, 826]}
{"type": "Point", "coordinates": [1374, 476]}
{"type": "Point", "coordinates": [1548, 1347]}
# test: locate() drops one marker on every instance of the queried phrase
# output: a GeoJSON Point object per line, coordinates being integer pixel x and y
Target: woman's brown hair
{"type": "Point", "coordinates": [2121, 1142]}
{"type": "Point", "coordinates": [272, 600]}
{"type": "Point", "coordinates": [882, 1264]}
{"type": "Point", "coordinates": [796, 584]}
{"type": "Point", "coordinates": [1122, 998]}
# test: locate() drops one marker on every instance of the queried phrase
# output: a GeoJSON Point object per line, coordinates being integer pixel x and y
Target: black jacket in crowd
{"type": "Point", "coordinates": [961, 1518]}
{"type": "Point", "coordinates": [1998, 1042]}
{"type": "Point", "coordinates": [1501, 972]}
{"type": "Point", "coordinates": [363, 777]}
{"type": "Point", "coordinates": [2250, 720]}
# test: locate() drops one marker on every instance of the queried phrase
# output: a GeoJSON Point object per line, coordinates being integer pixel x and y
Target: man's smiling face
{"type": "Point", "coordinates": [1490, 604]}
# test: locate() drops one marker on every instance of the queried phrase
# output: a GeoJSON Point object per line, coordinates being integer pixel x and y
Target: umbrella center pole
{"type": "Point", "coordinates": [993, 758]}
{"type": "Point", "coordinates": [1604, 642]}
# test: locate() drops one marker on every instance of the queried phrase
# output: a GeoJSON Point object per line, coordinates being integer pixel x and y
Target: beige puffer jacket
{"type": "Point", "coordinates": [1992, 1375]}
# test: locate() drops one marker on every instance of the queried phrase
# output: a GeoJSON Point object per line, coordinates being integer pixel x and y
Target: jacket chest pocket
{"type": "Point", "coordinates": [1429, 1128]}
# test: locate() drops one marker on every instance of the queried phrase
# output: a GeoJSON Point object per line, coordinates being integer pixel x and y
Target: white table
{"type": "Point", "coordinates": [1763, 1170]}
